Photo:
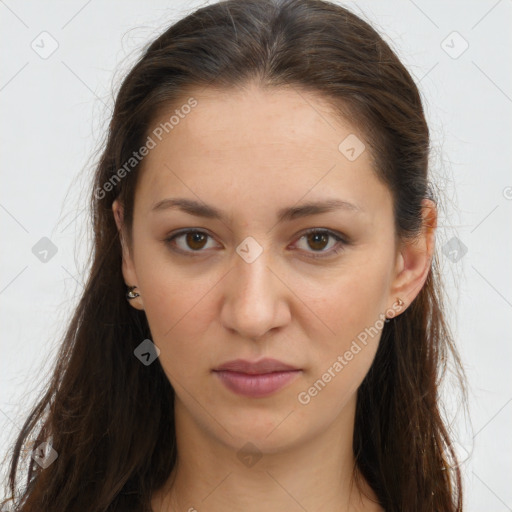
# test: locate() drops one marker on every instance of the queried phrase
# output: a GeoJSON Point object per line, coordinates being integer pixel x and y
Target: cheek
{"type": "Point", "coordinates": [176, 305]}
{"type": "Point", "coordinates": [353, 309]}
{"type": "Point", "coordinates": [179, 309]}
{"type": "Point", "coordinates": [353, 301]}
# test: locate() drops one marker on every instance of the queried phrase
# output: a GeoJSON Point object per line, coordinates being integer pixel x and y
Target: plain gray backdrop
{"type": "Point", "coordinates": [63, 61]}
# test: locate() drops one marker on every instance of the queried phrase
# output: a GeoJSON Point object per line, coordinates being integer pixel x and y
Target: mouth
{"type": "Point", "coordinates": [256, 379]}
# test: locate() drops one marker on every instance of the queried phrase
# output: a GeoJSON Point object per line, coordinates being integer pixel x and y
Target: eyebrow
{"type": "Point", "coordinates": [287, 214]}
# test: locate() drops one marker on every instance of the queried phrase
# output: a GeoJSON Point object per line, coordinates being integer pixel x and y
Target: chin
{"type": "Point", "coordinates": [266, 430]}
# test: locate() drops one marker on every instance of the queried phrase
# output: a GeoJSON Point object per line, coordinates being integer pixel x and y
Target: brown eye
{"type": "Point", "coordinates": [195, 240]}
{"type": "Point", "coordinates": [317, 240]}
{"type": "Point", "coordinates": [189, 241]}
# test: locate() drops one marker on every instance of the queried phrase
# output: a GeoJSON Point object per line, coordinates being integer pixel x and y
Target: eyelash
{"type": "Point", "coordinates": [319, 254]}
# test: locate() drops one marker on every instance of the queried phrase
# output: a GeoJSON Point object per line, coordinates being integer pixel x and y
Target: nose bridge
{"type": "Point", "coordinates": [252, 277]}
{"type": "Point", "coordinates": [253, 299]}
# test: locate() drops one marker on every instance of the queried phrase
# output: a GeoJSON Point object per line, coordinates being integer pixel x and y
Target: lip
{"type": "Point", "coordinates": [266, 365]}
{"type": "Point", "coordinates": [256, 379]}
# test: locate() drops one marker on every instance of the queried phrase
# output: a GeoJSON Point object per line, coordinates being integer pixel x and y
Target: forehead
{"type": "Point", "coordinates": [249, 117]}
{"type": "Point", "coordinates": [260, 143]}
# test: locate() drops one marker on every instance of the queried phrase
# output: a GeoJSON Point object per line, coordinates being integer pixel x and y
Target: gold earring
{"type": "Point", "coordinates": [399, 303]}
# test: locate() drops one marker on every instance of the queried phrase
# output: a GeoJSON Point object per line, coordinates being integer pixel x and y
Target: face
{"type": "Point", "coordinates": [264, 277]}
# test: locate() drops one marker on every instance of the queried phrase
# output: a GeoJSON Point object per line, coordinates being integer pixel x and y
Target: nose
{"type": "Point", "coordinates": [255, 298]}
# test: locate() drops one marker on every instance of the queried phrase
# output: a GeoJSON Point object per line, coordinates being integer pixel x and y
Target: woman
{"type": "Point", "coordinates": [262, 327]}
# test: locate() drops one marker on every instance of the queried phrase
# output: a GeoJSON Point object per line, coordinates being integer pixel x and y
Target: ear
{"type": "Point", "coordinates": [128, 268]}
{"type": "Point", "coordinates": [414, 259]}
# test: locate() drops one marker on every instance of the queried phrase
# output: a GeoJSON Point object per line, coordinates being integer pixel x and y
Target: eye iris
{"type": "Point", "coordinates": [315, 237]}
{"type": "Point", "coordinates": [195, 237]}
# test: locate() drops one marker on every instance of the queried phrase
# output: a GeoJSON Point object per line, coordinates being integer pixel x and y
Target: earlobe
{"type": "Point", "coordinates": [134, 298]}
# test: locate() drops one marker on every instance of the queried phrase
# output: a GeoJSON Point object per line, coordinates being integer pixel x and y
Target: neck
{"type": "Point", "coordinates": [317, 474]}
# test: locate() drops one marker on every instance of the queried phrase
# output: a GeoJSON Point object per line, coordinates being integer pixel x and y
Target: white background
{"type": "Point", "coordinates": [54, 112]}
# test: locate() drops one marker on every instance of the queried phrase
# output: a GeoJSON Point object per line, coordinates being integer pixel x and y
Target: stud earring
{"type": "Point", "coordinates": [131, 294]}
{"type": "Point", "coordinates": [397, 306]}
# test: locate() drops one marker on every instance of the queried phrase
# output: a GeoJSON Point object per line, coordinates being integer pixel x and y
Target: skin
{"type": "Point", "coordinates": [251, 152]}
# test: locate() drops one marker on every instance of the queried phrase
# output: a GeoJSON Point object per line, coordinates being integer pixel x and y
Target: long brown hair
{"type": "Point", "coordinates": [109, 417]}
